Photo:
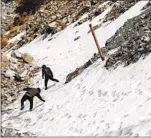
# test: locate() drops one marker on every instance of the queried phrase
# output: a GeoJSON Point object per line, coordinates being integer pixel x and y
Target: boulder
{"type": "Point", "coordinates": [24, 73]}
{"type": "Point", "coordinates": [25, 78]}
{"type": "Point", "coordinates": [10, 73]}
{"type": "Point", "coordinates": [53, 25]}
{"type": "Point", "coordinates": [5, 61]}
{"type": "Point", "coordinates": [4, 41]}
{"type": "Point", "coordinates": [16, 54]}
{"type": "Point", "coordinates": [54, 17]}
{"type": "Point", "coordinates": [27, 58]}
{"type": "Point", "coordinates": [13, 60]}
{"type": "Point", "coordinates": [13, 67]}
{"type": "Point", "coordinates": [65, 20]}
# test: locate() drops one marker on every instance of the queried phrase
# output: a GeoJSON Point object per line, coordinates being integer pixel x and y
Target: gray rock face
{"type": "Point", "coordinates": [79, 70]}
{"type": "Point", "coordinates": [118, 9]}
{"type": "Point", "coordinates": [133, 41]}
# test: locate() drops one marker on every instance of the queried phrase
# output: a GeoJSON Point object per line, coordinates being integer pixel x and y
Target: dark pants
{"type": "Point", "coordinates": [51, 78]}
{"type": "Point", "coordinates": [24, 98]}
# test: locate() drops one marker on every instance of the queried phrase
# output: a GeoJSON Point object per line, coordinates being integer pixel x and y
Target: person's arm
{"type": "Point", "coordinates": [38, 95]}
{"type": "Point", "coordinates": [43, 73]}
{"type": "Point", "coordinates": [51, 72]}
{"type": "Point", "coordinates": [26, 89]}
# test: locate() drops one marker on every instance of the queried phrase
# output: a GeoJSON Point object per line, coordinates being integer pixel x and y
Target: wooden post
{"type": "Point", "coordinates": [96, 42]}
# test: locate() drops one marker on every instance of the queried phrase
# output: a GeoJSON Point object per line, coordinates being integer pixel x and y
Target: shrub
{"type": "Point", "coordinates": [29, 6]}
{"type": "Point", "coordinates": [4, 41]}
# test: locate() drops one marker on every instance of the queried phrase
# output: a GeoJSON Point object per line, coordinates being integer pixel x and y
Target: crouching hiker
{"type": "Point", "coordinates": [29, 95]}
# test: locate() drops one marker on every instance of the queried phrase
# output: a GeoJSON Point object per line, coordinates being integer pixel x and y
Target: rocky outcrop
{"type": "Point", "coordinates": [79, 70]}
{"type": "Point", "coordinates": [119, 7]}
{"type": "Point", "coordinates": [94, 11]}
{"type": "Point", "coordinates": [133, 41]}
{"type": "Point", "coordinates": [15, 75]}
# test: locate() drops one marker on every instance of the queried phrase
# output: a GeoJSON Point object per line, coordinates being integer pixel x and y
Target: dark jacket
{"type": "Point", "coordinates": [47, 73]}
{"type": "Point", "coordinates": [31, 92]}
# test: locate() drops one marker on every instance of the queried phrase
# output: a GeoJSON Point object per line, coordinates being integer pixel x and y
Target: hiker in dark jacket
{"type": "Point", "coordinates": [47, 74]}
{"type": "Point", "coordinates": [29, 95]}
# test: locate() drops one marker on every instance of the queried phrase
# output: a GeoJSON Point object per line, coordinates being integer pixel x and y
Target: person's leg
{"type": "Point", "coordinates": [24, 98]}
{"type": "Point", "coordinates": [46, 82]}
{"type": "Point", "coordinates": [54, 79]}
{"type": "Point", "coordinates": [31, 103]}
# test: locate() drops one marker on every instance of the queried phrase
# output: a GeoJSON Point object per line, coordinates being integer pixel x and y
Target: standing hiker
{"type": "Point", "coordinates": [47, 74]}
{"type": "Point", "coordinates": [29, 95]}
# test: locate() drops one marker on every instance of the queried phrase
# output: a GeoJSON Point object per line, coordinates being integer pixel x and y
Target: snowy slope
{"type": "Point", "coordinates": [98, 102]}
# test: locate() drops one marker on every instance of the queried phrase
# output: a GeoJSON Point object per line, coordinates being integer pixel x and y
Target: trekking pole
{"type": "Point", "coordinates": [96, 42]}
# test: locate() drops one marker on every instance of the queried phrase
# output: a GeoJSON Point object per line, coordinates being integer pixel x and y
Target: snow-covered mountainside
{"type": "Point", "coordinates": [98, 102]}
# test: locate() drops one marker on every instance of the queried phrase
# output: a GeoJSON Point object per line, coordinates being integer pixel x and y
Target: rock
{"type": "Point", "coordinates": [65, 20]}
{"type": "Point", "coordinates": [79, 70]}
{"type": "Point", "coordinates": [72, 75]}
{"type": "Point", "coordinates": [13, 60]}
{"type": "Point", "coordinates": [54, 17]}
{"type": "Point", "coordinates": [13, 67]}
{"type": "Point", "coordinates": [16, 54]}
{"type": "Point", "coordinates": [18, 78]}
{"type": "Point", "coordinates": [27, 58]}
{"type": "Point", "coordinates": [4, 41]}
{"type": "Point", "coordinates": [118, 8]}
{"type": "Point", "coordinates": [23, 74]}
{"type": "Point", "coordinates": [58, 15]}
{"type": "Point", "coordinates": [10, 73]}
{"type": "Point", "coordinates": [53, 24]}
{"type": "Point", "coordinates": [4, 61]}
{"type": "Point", "coordinates": [25, 78]}
{"type": "Point", "coordinates": [147, 39]}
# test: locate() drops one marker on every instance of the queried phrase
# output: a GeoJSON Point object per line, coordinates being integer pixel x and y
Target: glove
{"type": "Point", "coordinates": [43, 100]}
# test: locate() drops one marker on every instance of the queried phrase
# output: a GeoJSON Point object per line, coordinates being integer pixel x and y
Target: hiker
{"type": "Point", "coordinates": [29, 95]}
{"type": "Point", "coordinates": [47, 74]}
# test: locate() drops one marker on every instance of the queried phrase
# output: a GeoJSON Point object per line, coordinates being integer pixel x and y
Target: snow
{"type": "Point", "coordinates": [97, 102]}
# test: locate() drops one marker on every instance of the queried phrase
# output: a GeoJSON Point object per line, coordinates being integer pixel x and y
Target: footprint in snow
{"type": "Point", "coordinates": [149, 78]}
{"type": "Point", "coordinates": [105, 93]}
{"type": "Point", "coordinates": [91, 92]}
